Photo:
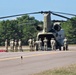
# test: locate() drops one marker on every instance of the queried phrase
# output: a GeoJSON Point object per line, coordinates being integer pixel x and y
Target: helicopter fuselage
{"type": "Point", "coordinates": [51, 31]}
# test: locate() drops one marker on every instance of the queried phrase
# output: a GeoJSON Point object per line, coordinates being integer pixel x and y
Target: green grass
{"type": "Point", "coordinates": [70, 70]}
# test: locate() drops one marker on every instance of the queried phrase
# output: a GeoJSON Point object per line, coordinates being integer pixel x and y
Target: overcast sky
{"type": "Point", "coordinates": [12, 7]}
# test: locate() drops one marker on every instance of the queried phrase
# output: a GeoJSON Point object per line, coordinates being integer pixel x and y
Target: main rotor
{"type": "Point", "coordinates": [43, 12]}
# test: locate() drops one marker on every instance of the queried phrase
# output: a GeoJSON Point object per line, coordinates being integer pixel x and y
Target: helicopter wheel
{"type": "Point", "coordinates": [63, 48]}
{"type": "Point", "coordinates": [59, 48]}
{"type": "Point", "coordinates": [66, 47]}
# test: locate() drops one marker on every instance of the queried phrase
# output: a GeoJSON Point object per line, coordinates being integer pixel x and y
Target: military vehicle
{"type": "Point", "coordinates": [49, 30]}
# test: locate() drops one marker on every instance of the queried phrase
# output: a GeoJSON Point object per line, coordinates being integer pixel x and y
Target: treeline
{"type": "Point", "coordinates": [21, 28]}
{"type": "Point", "coordinates": [25, 27]}
{"type": "Point", "coordinates": [70, 30]}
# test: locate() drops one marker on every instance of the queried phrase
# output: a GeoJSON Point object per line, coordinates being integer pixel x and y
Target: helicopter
{"type": "Point", "coordinates": [48, 30]}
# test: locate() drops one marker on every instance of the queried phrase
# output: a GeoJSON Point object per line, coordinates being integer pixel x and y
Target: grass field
{"type": "Point", "coordinates": [69, 70]}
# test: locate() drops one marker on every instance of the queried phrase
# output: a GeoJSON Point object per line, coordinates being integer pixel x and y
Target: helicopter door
{"type": "Point", "coordinates": [48, 37]}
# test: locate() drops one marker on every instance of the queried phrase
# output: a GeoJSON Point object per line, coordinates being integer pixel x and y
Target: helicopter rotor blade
{"type": "Point", "coordinates": [19, 15]}
{"type": "Point", "coordinates": [52, 12]}
{"type": "Point", "coordinates": [64, 13]}
{"type": "Point", "coordinates": [60, 15]}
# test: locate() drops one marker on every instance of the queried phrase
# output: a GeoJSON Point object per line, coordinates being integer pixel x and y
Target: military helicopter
{"type": "Point", "coordinates": [49, 30]}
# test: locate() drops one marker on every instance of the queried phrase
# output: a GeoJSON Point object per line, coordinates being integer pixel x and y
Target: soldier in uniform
{"type": "Point", "coordinates": [40, 44]}
{"type": "Point", "coordinates": [16, 45]}
{"type": "Point", "coordinates": [6, 45]}
{"type": "Point", "coordinates": [45, 44]}
{"type": "Point", "coordinates": [65, 44]}
{"type": "Point", "coordinates": [20, 45]}
{"type": "Point", "coordinates": [36, 45]}
{"type": "Point", "coordinates": [30, 44]}
{"type": "Point", "coordinates": [12, 44]}
{"type": "Point", "coordinates": [53, 44]}
{"type": "Point", "coordinates": [33, 44]}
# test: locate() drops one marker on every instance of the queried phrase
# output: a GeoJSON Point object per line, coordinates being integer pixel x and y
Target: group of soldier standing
{"type": "Point", "coordinates": [14, 45]}
{"type": "Point", "coordinates": [37, 45]}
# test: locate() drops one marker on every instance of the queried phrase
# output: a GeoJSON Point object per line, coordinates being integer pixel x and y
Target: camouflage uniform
{"type": "Point", "coordinates": [6, 45]}
{"type": "Point", "coordinates": [36, 45]}
{"type": "Point", "coordinates": [20, 45]}
{"type": "Point", "coordinates": [30, 44]}
{"type": "Point", "coordinates": [40, 44]}
{"type": "Point", "coordinates": [65, 46]}
{"type": "Point", "coordinates": [45, 44]}
{"type": "Point", "coordinates": [16, 46]}
{"type": "Point", "coordinates": [33, 44]}
{"type": "Point", "coordinates": [53, 44]}
{"type": "Point", "coordinates": [12, 44]}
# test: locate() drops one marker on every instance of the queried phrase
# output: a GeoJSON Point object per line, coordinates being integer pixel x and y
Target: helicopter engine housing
{"type": "Point", "coordinates": [57, 27]}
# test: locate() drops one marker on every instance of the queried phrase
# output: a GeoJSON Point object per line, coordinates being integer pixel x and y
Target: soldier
{"type": "Point", "coordinates": [12, 44]}
{"type": "Point", "coordinates": [40, 44]}
{"type": "Point", "coordinates": [33, 44]}
{"type": "Point", "coordinates": [36, 45]}
{"type": "Point", "coordinates": [45, 44]}
{"type": "Point", "coordinates": [30, 44]}
{"type": "Point", "coordinates": [6, 45]}
{"type": "Point", "coordinates": [16, 46]}
{"type": "Point", "coordinates": [65, 44]}
{"type": "Point", "coordinates": [53, 44]}
{"type": "Point", "coordinates": [20, 45]}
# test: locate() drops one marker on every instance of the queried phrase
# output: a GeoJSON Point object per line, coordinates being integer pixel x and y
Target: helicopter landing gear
{"type": "Point", "coordinates": [65, 47]}
{"type": "Point", "coordinates": [59, 48]}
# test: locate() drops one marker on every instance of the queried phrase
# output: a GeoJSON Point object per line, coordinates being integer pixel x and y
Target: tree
{"type": "Point", "coordinates": [70, 29]}
{"type": "Point", "coordinates": [21, 28]}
